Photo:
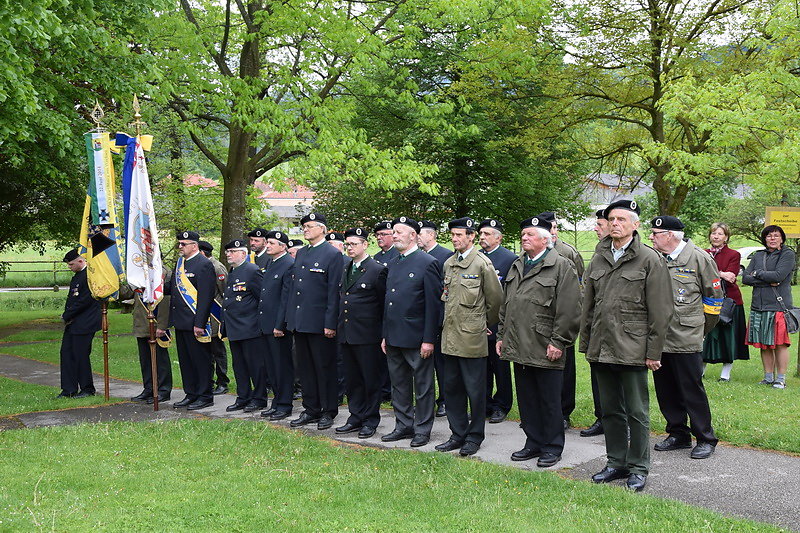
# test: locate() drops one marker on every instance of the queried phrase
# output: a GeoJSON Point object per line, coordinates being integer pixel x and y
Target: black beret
{"type": "Point", "coordinates": [293, 243]}
{"type": "Point", "coordinates": [667, 222]}
{"type": "Point", "coordinates": [491, 223]}
{"type": "Point", "coordinates": [600, 214]}
{"type": "Point", "coordinates": [356, 232]}
{"type": "Point", "coordinates": [71, 256]}
{"type": "Point", "coordinates": [628, 205]}
{"type": "Point", "coordinates": [278, 236]}
{"type": "Point", "coordinates": [258, 232]}
{"type": "Point", "coordinates": [314, 217]}
{"type": "Point", "coordinates": [462, 223]}
{"type": "Point", "coordinates": [536, 222]}
{"type": "Point", "coordinates": [410, 222]}
{"type": "Point", "coordinates": [205, 246]}
{"type": "Point", "coordinates": [187, 236]}
{"type": "Point", "coordinates": [548, 216]}
{"type": "Point", "coordinates": [427, 224]}
{"type": "Point", "coordinates": [385, 224]}
{"type": "Point", "coordinates": [335, 236]}
{"type": "Point", "coordinates": [236, 244]}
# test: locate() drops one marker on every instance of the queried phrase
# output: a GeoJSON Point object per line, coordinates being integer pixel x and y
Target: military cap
{"type": "Point", "coordinates": [427, 224]}
{"type": "Point", "coordinates": [279, 236]}
{"type": "Point", "coordinates": [548, 216]}
{"type": "Point", "coordinates": [410, 222]}
{"type": "Point", "coordinates": [294, 243]}
{"type": "Point", "coordinates": [236, 244]}
{"type": "Point", "coordinates": [72, 255]}
{"type": "Point", "coordinates": [188, 236]}
{"type": "Point", "coordinates": [491, 223]}
{"type": "Point", "coordinates": [628, 205]}
{"type": "Point", "coordinates": [335, 236]}
{"type": "Point", "coordinates": [356, 232]}
{"type": "Point", "coordinates": [600, 213]}
{"type": "Point", "coordinates": [384, 224]}
{"type": "Point", "coordinates": [205, 246]}
{"type": "Point", "coordinates": [314, 217]}
{"type": "Point", "coordinates": [462, 223]}
{"type": "Point", "coordinates": [666, 222]}
{"type": "Point", "coordinates": [258, 232]}
{"type": "Point", "coordinates": [536, 222]}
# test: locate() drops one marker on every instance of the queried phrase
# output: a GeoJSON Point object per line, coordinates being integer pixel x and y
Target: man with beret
{"type": "Point", "coordinates": [626, 311]}
{"type": "Point", "coordinates": [272, 323]}
{"type": "Point", "coordinates": [82, 319]}
{"type": "Point", "coordinates": [697, 297]}
{"type": "Point", "coordinates": [411, 318]}
{"type": "Point", "coordinates": [292, 246]}
{"type": "Point", "coordinates": [217, 345]}
{"type": "Point", "coordinates": [383, 234]}
{"type": "Point", "coordinates": [240, 326]}
{"type": "Point", "coordinates": [359, 334]}
{"type": "Point", "coordinates": [258, 245]}
{"type": "Point", "coordinates": [426, 239]}
{"type": "Point", "coordinates": [498, 371]}
{"type": "Point", "coordinates": [601, 224]}
{"type": "Point", "coordinates": [312, 313]}
{"type": "Point", "coordinates": [539, 319]}
{"type": "Point", "coordinates": [336, 239]}
{"type": "Point", "coordinates": [472, 297]}
{"type": "Point", "coordinates": [191, 289]}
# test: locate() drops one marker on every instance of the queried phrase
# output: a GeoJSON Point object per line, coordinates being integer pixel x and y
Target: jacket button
{"type": "Point", "coordinates": [345, 320]}
{"type": "Point", "coordinates": [345, 301]}
{"type": "Point", "coordinates": [392, 290]}
{"type": "Point", "coordinates": [345, 310]}
{"type": "Point", "coordinates": [390, 303]}
{"type": "Point", "coordinates": [298, 307]}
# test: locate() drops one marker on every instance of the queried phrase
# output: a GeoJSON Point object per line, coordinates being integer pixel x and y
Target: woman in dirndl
{"type": "Point", "coordinates": [726, 342]}
{"type": "Point", "coordinates": [769, 273]}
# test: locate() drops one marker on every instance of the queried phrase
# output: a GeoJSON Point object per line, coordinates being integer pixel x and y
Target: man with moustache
{"type": "Point", "coordinates": [258, 245]}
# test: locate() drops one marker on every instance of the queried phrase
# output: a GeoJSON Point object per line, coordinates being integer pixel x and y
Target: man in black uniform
{"type": "Point", "coordinates": [191, 291]}
{"type": "Point", "coordinates": [498, 371]}
{"type": "Point", "coordinates": [82, 320]}
{"type": "Point", "coordinates": [336, 239]}
{"type": "Point", "coordinates": [218, 350]}
{"type": "Point", "coordinates": [258, 245]}
{"type": "Point", "coordinates": [240, 326]}
{"type": "Point", "coordinates": [272, 322]}
{"type": "Point", "coordinates": [312, 313]}
{"type": "Point", "coordinates": [383, 234]}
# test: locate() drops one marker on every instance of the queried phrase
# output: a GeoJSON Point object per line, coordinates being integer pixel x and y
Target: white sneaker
{"type": "Point", "coordinates": [779, 385]}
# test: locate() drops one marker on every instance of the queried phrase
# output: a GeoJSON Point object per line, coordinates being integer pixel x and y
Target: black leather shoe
{"type": "Point", "coordinates": [397, 434]}
{"type": "Point", "coordinates": [183, 403]}
{"type": "Point", "coordinates": [469, 448]}
{"type": "Point", "coordinates": [252, 407]}
{"type": "Point", "coordinates": [525, 454]}
{"type": "Point", "coordinates": [441, 410]}
{"type": "Point", "coordinates": [304, 419]}
{"type": "Point", "coordinates": [547, 460]}
{"type": "Point", "coordinates": [420, 440]}
{"type": "Point", "coordinates": [324, 422]}
{"type": "Point", "coordinates": [366, 432]}
{"type": "Point", "coordinates": [142, 397]}
{"type": "Point", "coordinates": [62, 395]}
{"type": "Point", "coordinates": [672, 443]}
{"type": "Point", "coordinates": [279, 415]}
{"type": "Point", "coordinates": [161, 398]}
{"type": "Point", "coordinates": [449, 445]}
{"type": "Point", "coordinates": [593, 430]}
{"type": "Point", "coordinates": [236, 406]}
{"type": "Point", "coordinates": [199, 404]}
{"type": "Point", "coordinates": [609, 474]}
{"type": "Point", "coordinates": [83, 394]}
{"type": "Point", "coordinates": [703, 450]}
{"type": "Point", "coordinates": [497, 416]}
{"type": "Point", "coordinates": [268, 412]}
{"type": "Point", "coordinates": [347, 428]}
{"type": "Point", "coordinates": [636, 482]}
{"type": "Point", "coordinates": [567, 423]}
{"type": "Point", "coordinates": [219, 389]}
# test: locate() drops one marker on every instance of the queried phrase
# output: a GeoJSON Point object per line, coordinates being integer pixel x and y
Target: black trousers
{"type": "Point", "coordinates": [413, 394]}
{"type": "Point", "coordinates": [316, 366]}
{"type": "Point", "coordinates": [362, 366]}
{"type": "Point", "coordinates": [280, 368]}
{"type": "Point", "coordinates": [539, 401]}
{"type": "Point", "coordinates": [498, 374]}
{"type": "Point", "coordinates": [250, 370]}
{"type": "Point", "coordinates": [465, 379]}
{"type": "Point", "coordinates": [598, 411]}
{"type": "Point", "coordinates": [341, 374]}
{"type": "Point", "coordinates": [163, 368]}
{"type": "Point", "coordinates": [438, 367]}
{"type": "Point", "coordinates": [76, 369]}
{"type": "Point", "coordinates": [196, 365]}
{"type": "Point", "coordinates": [681, 395]}
{"type": "Point", "coordinates": [220, 361]}
{"type": "Point", "coordinates": [568, 385]}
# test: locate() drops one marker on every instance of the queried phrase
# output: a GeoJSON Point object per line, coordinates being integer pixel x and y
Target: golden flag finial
{"type": "Point", "coordinates": [137, 116]}
{"type": "Point", "coordinates": [97, 116]}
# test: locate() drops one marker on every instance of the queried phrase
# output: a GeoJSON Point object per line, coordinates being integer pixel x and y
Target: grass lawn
{"type": "Point", "coordinates": [193, 475]}
{"type": "Point", "coordinates": [18, 397]}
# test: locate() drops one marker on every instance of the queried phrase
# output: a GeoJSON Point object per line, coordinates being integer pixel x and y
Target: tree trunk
{"type": "Point", "coordinates": [237, 179]}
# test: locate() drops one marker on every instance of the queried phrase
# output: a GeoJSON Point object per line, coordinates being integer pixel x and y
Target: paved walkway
{"type": "Point", "coordinates": [755, 484]}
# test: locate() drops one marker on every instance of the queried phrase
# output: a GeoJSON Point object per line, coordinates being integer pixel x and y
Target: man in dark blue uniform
{"type": "Point", "coordinates": [240, 326]}
{"type": "Point", "coordinates": [411, 324]}
{"type": "Point", "coordinates": [272, 323]}
{"type": "Point", "coordinates": [191, 291]}
{"type": "Point", "coordinates": [82, 320]}
{"type": "Point", "coordinates": [383, 234]}
{"type": "Point", "coordinates": [359, 334]}
{"type": "Point", "coordinates": [218, 350]}
{"type": "Point", "coordinates": [258, 245]}
{"type": "Point", "coordinates": [498, 371]}
{"type": "Point", "coordinates": [336, 239]}
{"type": "Point", "coordinates": [312, 313]}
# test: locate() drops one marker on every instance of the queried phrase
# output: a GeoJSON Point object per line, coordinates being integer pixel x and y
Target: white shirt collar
{"type": "Point", "coordinates": [410, 251]}
{"type": "Point", "coordinates": [537, 256]}
{"type": "Point", "coordinates": [192, 256]}
{"type": "Point", "coordinates": [465, 254]}
{"type": "Point", "coordinates": [677, 251]}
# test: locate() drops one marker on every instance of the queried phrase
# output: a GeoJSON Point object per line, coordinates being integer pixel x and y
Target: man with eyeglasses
{"type": "Point", "coordinates": [218, 350]}
{"type": "Point", "coordinates": [383, 234]}
{"type": "Point", "coordinates": [312, 313]}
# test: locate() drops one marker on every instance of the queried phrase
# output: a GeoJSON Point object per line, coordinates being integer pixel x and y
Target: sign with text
{"type": "Point", "coordinates": [787, 218]}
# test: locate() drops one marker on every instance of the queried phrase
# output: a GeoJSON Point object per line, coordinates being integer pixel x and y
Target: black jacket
{"type": "Point", "coordinates": [275, 289]}
{"type": "Point", "coordinates": [779, 266]}
{"type": "Point", "coordinates": [385, 257]}
{"type": "Point", "coordinates": [361, 306]}
{"type": "Point", "coordinates": [81, 311]}
{"type": "Point", "coordinates": [201, 274]}
{"type": "Point", "coordinates": [313, 303]}
{"type": "Point", "coordinates": [502, 258]}
{"type": "Point", "coordinates": [240, 303]}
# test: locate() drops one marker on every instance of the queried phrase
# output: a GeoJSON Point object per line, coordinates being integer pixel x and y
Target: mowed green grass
{"type": "Point", "coordinates": [17, 397]}
{"type": "Point", "coordinates": [191, 475]}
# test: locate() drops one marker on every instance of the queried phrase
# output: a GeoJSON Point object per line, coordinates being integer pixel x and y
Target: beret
{"type": "Point", "coordinates": [188, 236]}
{"type": "Point", "coordinates": [410, 222]}
{"type": "Point", "coordinates": [491, 223]}
{"type": "Point", "coordinates": [278, 236]}
{"type": "Point", "coordinates": [356, 232]}
{"type": "Point", "coordinates": [629, 205]}
{"type": "Point", "coordinates": [335, 236]}
{"type": "Point", "coordinates": [258, 232]}
{"type": "Point", "coordinates": [236, 244]}
{"type": "Point", "coordinates": [71, 256]}
{"type": "Point", "coordinates": [205, 246]}
{"type": "Point", "coordinates": [462, 223]}
{"type": "Point", "coordinates": [385, 224]}
{"type": "Point", "coordinates": [536, 222]}
{"type": "Point", "coordinates": [315, 217]}
{"type": "Point", "coordinates": [667, 222]}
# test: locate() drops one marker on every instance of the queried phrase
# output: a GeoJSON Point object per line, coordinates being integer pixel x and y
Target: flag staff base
{"type": "Point", "coordinates": [104, 309]}
{"type": "Point", "coordinates": [151, 319]}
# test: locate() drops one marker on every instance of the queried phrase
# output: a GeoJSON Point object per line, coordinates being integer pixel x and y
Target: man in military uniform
{"type": "Point", "coordinates": [359, 334]}
{"type": "Point", "coordinates": [258, 245]}
{"type": "Point", "coordinates": [217, 345]}
{"type": "Point", "coordinates": [626, 311]}
{"type": "Point", "coordinates": [411, 319]}
{"type": "Point", "coordinates": [426, 239]}
{"type": "Point", "coordinates": [292, 246]}
{"type": "Point", "coordinates": [541, 290]}
{"type": "Point", "coordinates": [272, 323]}
{"type": "Point", "coordinates": [601, 224]}
{"type": "Point", "coordinates": [82, 319]}
{"type": "Point", "coordinates": [191, 289]}
{"type": "Point", "coordinates": [697, 297]}
{"type": "Point", "coordinates": [383, 234]}
{"type": "Point", "coordinates": [498, 371]}
{"type": "Point", "coordinates": [312, 313]}
{"type": "Point", "coordinates": [336, 239]}
{"type": "Point", "coordinates": [472, 297]}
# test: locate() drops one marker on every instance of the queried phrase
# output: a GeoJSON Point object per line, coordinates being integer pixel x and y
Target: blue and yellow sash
{"type": "Point", "coordinates": [189, 294]}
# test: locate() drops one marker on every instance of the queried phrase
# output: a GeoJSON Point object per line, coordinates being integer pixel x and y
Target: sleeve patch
{"type": "Point", "coordinates": [715, 283]}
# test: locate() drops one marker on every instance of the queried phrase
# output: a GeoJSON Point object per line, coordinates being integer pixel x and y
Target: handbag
{"type": "Point", "coordinates": [726, 312]}
{"type": "Point", "coordinates": [790, 316]}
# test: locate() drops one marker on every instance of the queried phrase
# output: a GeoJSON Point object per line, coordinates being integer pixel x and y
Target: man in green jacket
{"type": "Point", "coordinates": [626, 311]}
{"type": "Point", "coordinates": [539, 320]}
{"type": "Point", "coordinates": [472, 297]}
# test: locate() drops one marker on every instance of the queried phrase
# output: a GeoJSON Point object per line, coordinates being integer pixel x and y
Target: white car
{"type": "Point", "coordinates": [747, 254]}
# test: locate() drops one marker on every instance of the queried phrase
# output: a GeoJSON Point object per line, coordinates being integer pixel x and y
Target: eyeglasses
{"type": "Point", "coordinates": [182, 244]}
{"type": "Point", "coordinates": [657, 232]}
{"type": "Point", "coordinates": [310, 226]}
{"type": "Point", "coordinates": [352, 244]}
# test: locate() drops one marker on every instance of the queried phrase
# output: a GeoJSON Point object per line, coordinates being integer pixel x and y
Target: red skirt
{"type": "Point", "coordinates": [781, 336]}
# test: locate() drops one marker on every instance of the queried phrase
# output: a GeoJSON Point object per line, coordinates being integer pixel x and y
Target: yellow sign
{"type": "Point", "coordinates": [787, 218]}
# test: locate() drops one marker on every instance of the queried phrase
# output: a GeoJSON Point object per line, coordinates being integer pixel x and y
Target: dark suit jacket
{"type": "Point", "coordinates": [313, 303]}
{"type": "Point", "coordinates": [262, 260]}
{"type": "Point", "coordinates": [385, 257]}
{"type": "Point", "coordinates": [81, 311]}
{"type": "Point", "coordinates": [412, 311]}
{"type": "Point", "coordinates": [275, 289]}
{"type": "Point", "coordinates": [361, 307]}
{"type": "Point", "coordinates": [240, 303]}
{"type": "Point", "coordinates": [502, 259]}
{"type": "Point", "coordinates": [201, 274]}
{"type": "Point", "coordinates": [441, 254]}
